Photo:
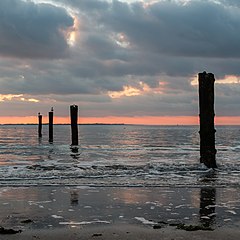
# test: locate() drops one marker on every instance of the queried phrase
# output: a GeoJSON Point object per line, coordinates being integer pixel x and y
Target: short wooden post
{"type": "Point", "coordinates": [74, 123]}
{"type": "Point", "coordinates": [39, 125]}
{"type": "Point", "coordinates": [50, 125]}
{"type": "Point", "coordinates": [207, 130]}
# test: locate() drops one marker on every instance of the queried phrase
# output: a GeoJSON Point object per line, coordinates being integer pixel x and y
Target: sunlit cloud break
{"type": "Point", "coordinates": [228, 79]}
{"type": "Point", "coordinates": [130, 91]}
{"type": "Point", "coordinates": [17, 97]}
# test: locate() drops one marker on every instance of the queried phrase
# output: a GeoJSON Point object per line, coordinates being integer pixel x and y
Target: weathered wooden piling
{"type": "Point", "coordinates": [207, 130]}
{"type": "Point", "coordinates": [74, 123]}
{"type": "Point", "coordinates": [39, 125]}
{"type": "Point", "coordinates": [50, 125]}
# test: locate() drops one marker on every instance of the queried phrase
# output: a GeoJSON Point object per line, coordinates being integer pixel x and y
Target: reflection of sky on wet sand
{"type": "Point", "coordinates": [75, 206]}
{"type": "Point", "coordinates": [207, 206]}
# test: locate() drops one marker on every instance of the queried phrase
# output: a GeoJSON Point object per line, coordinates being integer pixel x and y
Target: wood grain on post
{"type": "Point", "coordinates": [39, 125]}
{"type": "Point", "coordinates": [74, 124]}
{"type": "Point", "coordinates": [207, 130]}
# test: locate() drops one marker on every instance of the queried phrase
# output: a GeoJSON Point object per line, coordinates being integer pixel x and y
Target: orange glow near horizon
{"type": "Point", "coordinates": [144, 120]}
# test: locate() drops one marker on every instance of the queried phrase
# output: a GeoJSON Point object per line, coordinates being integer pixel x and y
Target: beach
{"type": "Point", "coordinates": [119, 119]}
{"type": "Point", "coordinates": [80, 212]}
{"type": "Point", "coordinates": [124, 232]}
{"type": "Point", "coordinates": [121, 182]}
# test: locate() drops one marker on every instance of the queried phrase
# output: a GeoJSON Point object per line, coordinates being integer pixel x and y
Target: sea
{"type": "Point", "coordinates": [116, 155]}
{"type": "Point", "coordinates": [118, 174]}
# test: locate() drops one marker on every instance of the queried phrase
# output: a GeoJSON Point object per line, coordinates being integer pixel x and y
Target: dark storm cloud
{"type": "Point", "coordinates": [30, 30]}
{"type": "Point", "coordinates": [195, 29]}
{"type": "Point", "coordinates": [165, 38]}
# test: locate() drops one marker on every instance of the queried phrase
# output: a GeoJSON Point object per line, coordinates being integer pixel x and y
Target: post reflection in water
{"type": "Point", "coordinates": [74, 149]}
{"type": "Point", "coordinates": [74, 197]}
{"type": "Point", "coordinates": [75, 153]}
{"type": "Point", "coordinates": [40, 141]}
{"type": "Point", "coordinates": [50, 154]}
{"type": "Point", "coordinates": [207, 206]}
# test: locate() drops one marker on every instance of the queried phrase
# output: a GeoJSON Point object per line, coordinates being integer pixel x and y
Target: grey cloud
{"type": "Point", "coordinates": [30, 30]}
{"type": "Point", "coordinates": [166, 38]}
{"type": "Point", "coordinates": [196, 29]}
{"type": "Point", "coordinates": [168, 42]}
{"type": "Point", "coordinates": [234, 3]}
{"type": "Point", "coordinates": [86, 5]}
{"type": "Point", "coordinates": [48, 77]}
{"type": "Point", "coordinates": [82, 98]}
{"type": "Point", "coordinates": [101, 46]}
{"type": "Point", "coordinates": [147, 105]}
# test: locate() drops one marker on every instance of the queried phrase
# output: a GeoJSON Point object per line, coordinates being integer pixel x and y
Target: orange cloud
{"type": "Point", "coordinates": [72, 33]}
{"type": "Point", "coordinates": [16, 97]}
{"type": "Point", "coordinates": [143, 88]}
{"type": "Point", "coordinates": [228, 79]}
{"type": "Point", "coordinates": [128, 91]}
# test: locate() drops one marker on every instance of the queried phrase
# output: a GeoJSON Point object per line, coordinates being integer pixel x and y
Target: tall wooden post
{"type": "Point", "coordinates": [74, 123]}
{"type": "Point", "coordinates": [207, 130]}
{"type": "Point", "coordinates": [50, 125]}
{"type": "Point", "coordinates": [39, 125]}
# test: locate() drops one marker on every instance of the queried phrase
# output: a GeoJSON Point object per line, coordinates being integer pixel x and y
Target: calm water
{"type": "Point", "coordinates": [116, 156]}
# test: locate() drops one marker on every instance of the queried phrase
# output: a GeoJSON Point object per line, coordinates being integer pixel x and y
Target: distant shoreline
{"type": "Point", "coordinates": [113, 124]}
{"type": "Point", "coordinates": [64, 124]}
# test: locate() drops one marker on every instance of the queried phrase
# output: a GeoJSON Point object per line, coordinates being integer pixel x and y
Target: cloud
{"type": "Point", "coordinates": [145, 54]}
{"type": "Point", "coordinates": [30, 30]}
{"type": "Point", "coordinates": [193, 29]}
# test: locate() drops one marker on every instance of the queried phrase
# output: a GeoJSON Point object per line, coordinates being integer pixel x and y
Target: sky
{"type": "Point", "coordinates": [120, 61]}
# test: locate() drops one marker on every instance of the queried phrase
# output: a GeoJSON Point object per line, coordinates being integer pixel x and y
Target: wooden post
{"type": "Point", "coordinates": [50, 125]}
{"type": "Point", "coordinates": [74, 123]}
{"type": "Point", "coordinates": [39, 125]}
{"type": "Point", "coordinates": [207, 130]}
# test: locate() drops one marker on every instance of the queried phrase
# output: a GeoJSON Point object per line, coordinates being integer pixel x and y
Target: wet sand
{"type": "Point", "coordinates": [119, 213]}
{"type": "Point", "coordinates": [124, 232]}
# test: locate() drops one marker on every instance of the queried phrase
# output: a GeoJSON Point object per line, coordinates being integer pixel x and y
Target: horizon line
{"type": "Point", "coordinates": [110, 124]}
{"type": "Point", "coordinates": [118, 120]}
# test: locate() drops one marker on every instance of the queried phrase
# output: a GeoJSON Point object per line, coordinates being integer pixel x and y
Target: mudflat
{"type": "Point", "coordinates": [81, 212]}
